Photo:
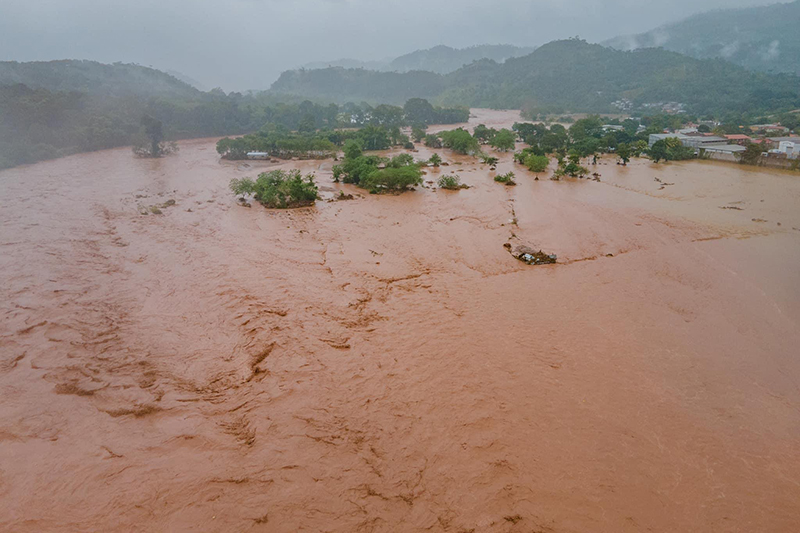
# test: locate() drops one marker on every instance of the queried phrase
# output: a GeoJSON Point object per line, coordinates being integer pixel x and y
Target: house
{"type": "Point", "coordinates": [769, 128]}
{"type": "Point", "coordinates": [739, 139]}
{"type": "Point", "coordinates": [703, 141]}
{"type": "Point", "coordinates": [612, 127]}
{"type": "Point", "coordinates": [655, 137]}
{"type": "Point", "coordinates": [724, 152]}
{"type": "Point", "coordinates": [791, 149]}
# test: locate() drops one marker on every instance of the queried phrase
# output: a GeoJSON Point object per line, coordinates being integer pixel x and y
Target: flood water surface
{"type": "Point", "coordinates": [384, 364]}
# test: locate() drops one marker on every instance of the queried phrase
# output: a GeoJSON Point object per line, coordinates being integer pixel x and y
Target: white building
{"type": "Point", "coordinates": [791, 149]}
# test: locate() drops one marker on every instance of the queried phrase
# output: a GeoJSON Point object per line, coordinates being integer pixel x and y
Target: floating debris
{"type": "Point", "coordinates": [528, 255]}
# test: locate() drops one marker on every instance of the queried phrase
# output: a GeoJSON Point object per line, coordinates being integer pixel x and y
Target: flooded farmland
{"type": "Point", "coordinates": [384, 364]}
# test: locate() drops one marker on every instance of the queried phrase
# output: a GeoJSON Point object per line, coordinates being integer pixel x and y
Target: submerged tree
{"type": "Point", "coordinates": [153, 145]}
{"type": "Point", "coordinates": [624, 153]}
{"type": "Point", "coordinates": [504, 140]}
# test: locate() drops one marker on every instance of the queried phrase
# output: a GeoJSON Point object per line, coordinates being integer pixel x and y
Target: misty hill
{"type": "Point", "coordinates": [94, 78]}
{"type": "Point", "coordinates": [439, 59]}
{"type": "Point", "coordinates": [759, 38]}
{"type": "Point", "coordinates": [569, 75]}
{"type": "Point", "coordinates": [356, 84]}
{"type": "Point", "coordinates": [444, 60]}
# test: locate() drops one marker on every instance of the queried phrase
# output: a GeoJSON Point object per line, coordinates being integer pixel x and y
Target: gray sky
{"type": "Point", "coordinates": [245, 44]}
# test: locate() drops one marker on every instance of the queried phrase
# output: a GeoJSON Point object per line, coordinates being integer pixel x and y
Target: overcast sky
{"type": "Point", "coordinates": [245, 44]}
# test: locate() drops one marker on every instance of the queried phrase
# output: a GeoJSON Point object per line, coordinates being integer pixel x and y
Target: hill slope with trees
{"type": "Point", "coordinates": [94, 78]}
{"type": "Point", "coordinates": [439, 59]}
{"type": "Point", "coordinates": [561, 76]}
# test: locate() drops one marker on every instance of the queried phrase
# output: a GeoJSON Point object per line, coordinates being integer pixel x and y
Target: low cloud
{"type": "Point", "coordinates": [245, 44]}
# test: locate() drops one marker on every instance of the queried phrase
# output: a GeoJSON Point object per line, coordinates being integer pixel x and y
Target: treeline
{"type": "Point", "coordinates": [378, 129]}
{"type": "Point", "coordinates": [280, 142]}
{"type": "Point", "coordinates": [39, 123]}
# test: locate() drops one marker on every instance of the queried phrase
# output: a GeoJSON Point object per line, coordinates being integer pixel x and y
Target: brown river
{"type": "Point", "coordinates": [384, 364]}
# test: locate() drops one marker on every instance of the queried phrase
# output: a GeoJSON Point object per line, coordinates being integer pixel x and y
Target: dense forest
{"type": "Point", "coordinates": [764, 38]}
{"type": "Point", "coordinates": [52, 109]}
{"type": "Point", "coordinates": [566, 76]}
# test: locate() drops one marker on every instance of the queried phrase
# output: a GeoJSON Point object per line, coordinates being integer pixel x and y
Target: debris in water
{"type": "Point", "coordinates": [528, 255]}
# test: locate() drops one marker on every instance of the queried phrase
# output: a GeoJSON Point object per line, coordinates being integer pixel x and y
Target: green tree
{"type": "Point", "coordinates": [658, 151]}
{"type": "Point", "coordinates": [433, 141]}
{"type": "Point", "coordinates": [484, 134]}
{"type": "Point", "coordinates": [624, 153]}
{"type": "Point", "coordinates": [460, 141]}
{"type": "Point", "coordinates": [435, 160]}
{"type": "Point", "coordinates": [504, 140]}
{"type": "Point", "coordinates": [279, 189]}
{"type": "Point", "coordinates": [752, 154]}
{"type": "Point", "coordinates": [392, 179]}
{"type": "Point", "coordinates": [419, 111]}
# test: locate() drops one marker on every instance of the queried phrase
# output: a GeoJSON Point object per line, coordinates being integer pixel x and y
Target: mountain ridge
{"type": "Point", "coordinates": [764, 38]}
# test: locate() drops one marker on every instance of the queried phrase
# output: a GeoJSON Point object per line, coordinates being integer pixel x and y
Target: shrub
{"type": "Point", "coordinates": [489, 160]}
{"type": "Point", "coordinates": [278, 189]}
{"type": "Point", "coordinates": [451, 182]}
{"type": "Point", "coordinates": [507, 179]}
{"type": "Point", "coordinates": [435, 160]}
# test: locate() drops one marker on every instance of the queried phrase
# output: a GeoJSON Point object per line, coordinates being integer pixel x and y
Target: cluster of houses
{"type": "Point", "coordinates": [727, 147]}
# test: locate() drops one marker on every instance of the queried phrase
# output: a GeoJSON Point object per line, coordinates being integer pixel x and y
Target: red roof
{"type": "Point", "coordinates": [737, 137]}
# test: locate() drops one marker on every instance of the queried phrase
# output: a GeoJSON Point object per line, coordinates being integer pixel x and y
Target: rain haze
{"type": "Point", "coordinates": [246, 44]}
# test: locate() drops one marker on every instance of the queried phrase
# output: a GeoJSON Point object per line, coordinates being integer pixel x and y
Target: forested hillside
{"type": "Point", "coordinates": [52, 109]}
{"type": "Point", "coordinates": [758, 38]}
{"type": "Point", "coordinates": [439, 59]}
{"type": "Point", "coordinates": [94, 78]}
{"type": "Point", "coordinates": [444, 60]}
{"type": "Point", "coordinates": [569, 75]}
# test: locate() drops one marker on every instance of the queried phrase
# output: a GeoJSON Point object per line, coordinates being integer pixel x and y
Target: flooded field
{"type": "Point", "coordinates": [384, 364]}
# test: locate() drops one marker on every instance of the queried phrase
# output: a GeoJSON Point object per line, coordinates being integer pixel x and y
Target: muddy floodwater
{"type": "Point", "coordinates": [384, 363]}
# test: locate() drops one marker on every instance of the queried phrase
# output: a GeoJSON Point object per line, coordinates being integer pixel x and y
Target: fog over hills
{"type": "Point", "coordinates": [759, 38]}
{"type": "Point", "coordinates": [567, 75]}
{"type": "Point", "coordinates": [244, 45]}
{"type": "Point", "coordinates": [440, 59]}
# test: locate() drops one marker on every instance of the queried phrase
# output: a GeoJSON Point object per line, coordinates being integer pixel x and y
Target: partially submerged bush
{"type": "Point", "coordinates": [506, 179]}
{"type": "Point", "coordinates": [489, 160]}
{"type": "Point", "coordinates": [435, 160]}
{"type": "Point", "coordinates": [433, 141]}
{"type": "Point", "coordinates": [536, 163]}
{"type": "Point", "coordinates": [278, 189]}
{"type": "Point", "coordinates": [451, 182]}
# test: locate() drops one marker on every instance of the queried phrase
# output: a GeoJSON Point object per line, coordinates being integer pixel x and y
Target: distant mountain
{"type": "Point", "coordinates": [569, 75]}
{"type": "Point", "coordinates": [439, 59]}
{"type": "Point", "coordinates": [186, 79]}
{"type": "Point", "coordinates": [94, 78]}
{"type": "Point", "coordinates": [349, 63]}
{"type": "Point", "coordinates": [444, 60]}
{"type": "Point", "coordinates": [346, 85]}
{"type": "Point", "coordinates": [758, 38]}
